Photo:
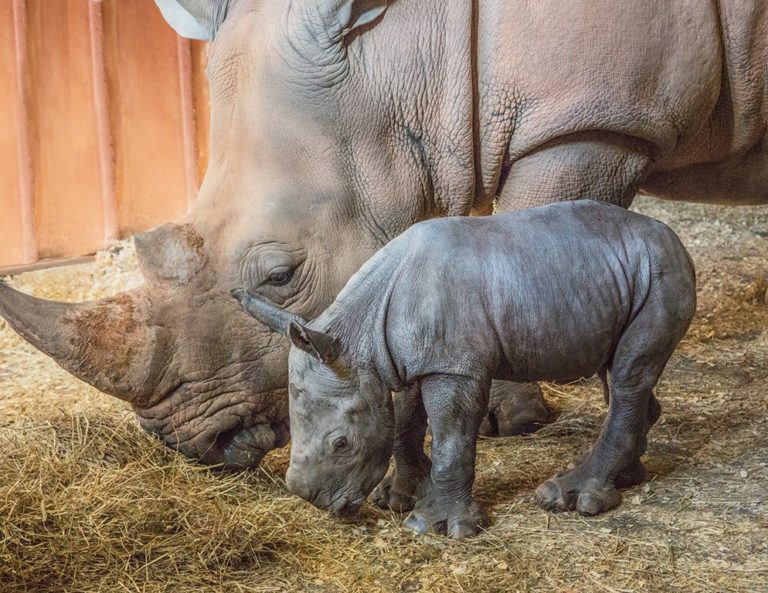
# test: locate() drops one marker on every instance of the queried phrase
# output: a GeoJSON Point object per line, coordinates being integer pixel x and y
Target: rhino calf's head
{"type": "Point", "coordinates": [342, 418]}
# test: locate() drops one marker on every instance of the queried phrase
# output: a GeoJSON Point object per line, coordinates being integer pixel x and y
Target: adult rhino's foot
{"type": "Point", "coordinates": [457, 520]}
{"type": "Point", "coordinates": [631, 475]}
{"type": "Point", "coordinates": [577, 490]}
{"type": "Point", "coordinates": [515, 409]}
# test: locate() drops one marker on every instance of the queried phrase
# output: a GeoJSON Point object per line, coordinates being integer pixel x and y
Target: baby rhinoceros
{"type": "Point", "coordinates": [552, 293]}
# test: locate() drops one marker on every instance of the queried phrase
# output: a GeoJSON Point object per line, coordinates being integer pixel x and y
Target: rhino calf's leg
{"type": "Point", "coordinates": [634, 472]}
{"type": "Point", "coordinates": [640, 357]}
{"type": "Point", "coordinates": [590, 486]}
{"type": "Point", "coordinates": [409, 481]}
{"type": "Point", "coordinates": [456, 407]}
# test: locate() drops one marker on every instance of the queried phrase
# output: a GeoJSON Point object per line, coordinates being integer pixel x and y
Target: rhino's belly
{"type": "Point", "coordinates": [560, 352]}
{"type": "Point", "coordinates": [741, 180]}
{"type": "Point", "coordinates": [556, 370]}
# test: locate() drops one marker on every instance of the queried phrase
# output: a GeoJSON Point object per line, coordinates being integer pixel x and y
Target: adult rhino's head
{"type": "Point", "coordinates": [204, 378]}
{"type": "Point", "coordinates": [287, 210]}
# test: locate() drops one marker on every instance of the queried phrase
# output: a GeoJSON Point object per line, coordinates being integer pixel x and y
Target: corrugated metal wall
{"type": "Point", "coordinates": [103, 125]}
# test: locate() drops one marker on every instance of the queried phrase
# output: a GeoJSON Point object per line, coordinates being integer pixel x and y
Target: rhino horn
{"type": "Point", "coordinates": [109, 344]}
{"type": "Point", "coordinates": [276, 319]}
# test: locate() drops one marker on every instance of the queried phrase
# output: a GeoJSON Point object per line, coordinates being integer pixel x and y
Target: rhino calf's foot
{"type": "Point", "coordinates": [632, 474]}
{"type": "Point", "coordinates": [577, 490]}
{"type": "Point", "coordinates": [457, 520]}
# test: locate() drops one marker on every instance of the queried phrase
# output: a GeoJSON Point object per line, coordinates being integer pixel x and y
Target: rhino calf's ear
{"type": "Point", "coordinates": [276, 319]}
{"type": "Point", "coordinates": [321, 346]}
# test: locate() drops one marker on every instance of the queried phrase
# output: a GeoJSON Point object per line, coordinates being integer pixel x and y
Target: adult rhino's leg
{"type": "Point", "coordinates": [598, 165]}
{"type": "Point", "coordinates": [594, 165]}
{"type": "Point", "coordinates": [409, 481]}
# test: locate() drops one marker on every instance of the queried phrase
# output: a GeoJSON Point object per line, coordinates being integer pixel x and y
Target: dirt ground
{"type": "Point", "coordinates": [88, 502]}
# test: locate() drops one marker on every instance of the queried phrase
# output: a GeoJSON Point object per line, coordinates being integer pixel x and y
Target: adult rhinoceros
{"type": "Point", "coordinates": [336, 124]}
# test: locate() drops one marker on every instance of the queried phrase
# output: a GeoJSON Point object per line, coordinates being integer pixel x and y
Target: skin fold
{"type": "Point", "coordinates": [338, 124]}
{"type": "Point", "coordinates": [449, 306]}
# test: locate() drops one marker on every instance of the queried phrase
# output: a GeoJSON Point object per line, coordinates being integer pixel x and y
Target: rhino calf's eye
{"type": "Point", "coordinates": [340, 443]}
{"type": "Point", "coordinates": [280, 277]}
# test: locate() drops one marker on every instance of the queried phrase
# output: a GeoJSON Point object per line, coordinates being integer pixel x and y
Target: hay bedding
{"type": "Point", "coordinates": [88, 502]}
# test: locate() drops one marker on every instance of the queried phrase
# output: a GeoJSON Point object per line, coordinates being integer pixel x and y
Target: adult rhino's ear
{"type": "Point", "coordinates": [358, 13]}
{"type": "Point", "coordinates": [330, 21]}
{"type": "Point", "coordinates": [195, 19]}
{"type": "Point", "coordinates": [323, 347]}
{"type": "Point", "coordinates": [170, 254]}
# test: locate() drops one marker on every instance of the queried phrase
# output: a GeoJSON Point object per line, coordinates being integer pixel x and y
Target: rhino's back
{"type": "Point", "coordinates": [568, 229]}
{"type": "Point", "coordinates": [548, 287]}
{"type": "Point", "coordinates": [688, 79]}
{"type": "Point", "coordinates": [645, 69]}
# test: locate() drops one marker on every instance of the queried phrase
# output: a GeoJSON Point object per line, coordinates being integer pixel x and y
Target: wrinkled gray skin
{"type": "Point", "coordinates": [552, 293]}
{"type": "Point", "coordinates": [337, 124]}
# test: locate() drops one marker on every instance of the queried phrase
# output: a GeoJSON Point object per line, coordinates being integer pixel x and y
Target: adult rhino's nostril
{"type": "Point", "coordinates": [282, 433]}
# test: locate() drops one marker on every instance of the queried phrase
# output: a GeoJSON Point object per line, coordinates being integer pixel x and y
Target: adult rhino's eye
{"type": "Point", "coordinates": [340, 443]}
{"type": "Point", "coordinates": [280, 277]}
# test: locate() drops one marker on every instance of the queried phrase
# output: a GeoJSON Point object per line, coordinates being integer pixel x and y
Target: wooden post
{"type": "Point", "coordinates": [101, 104]}
{"type": "Point", "coordinates": [189, 125]}
{"type": "Point", "coordinates": [26, 174]}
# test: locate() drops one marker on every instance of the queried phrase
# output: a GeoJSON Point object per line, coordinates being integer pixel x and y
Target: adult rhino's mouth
{"type": "Point", "coordinates": [236, 449]}
{"type": "Point", "coordinates": [231, 431]}
{"type": "Point", "coordinates": [246, 448]}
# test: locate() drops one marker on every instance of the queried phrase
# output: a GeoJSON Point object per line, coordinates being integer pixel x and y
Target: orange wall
{"type": "Point", "coordinates": [11, 228]}
{"type": "Point", "coordinates": [103, 124]}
